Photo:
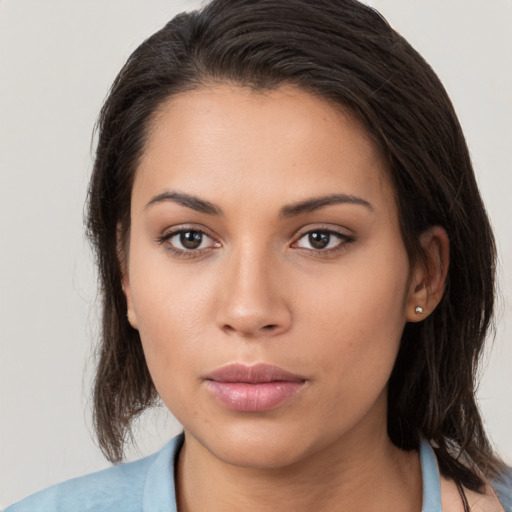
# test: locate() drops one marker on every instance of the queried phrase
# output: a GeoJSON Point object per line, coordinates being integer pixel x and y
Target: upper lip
{"type": "Point", "coordinates": [252, 374]}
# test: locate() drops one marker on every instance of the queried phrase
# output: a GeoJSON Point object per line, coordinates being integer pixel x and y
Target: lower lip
{"type": "Point", "coordinates": [257, 397]}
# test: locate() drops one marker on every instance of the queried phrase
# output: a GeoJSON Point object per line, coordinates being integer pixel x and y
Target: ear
{"type": "Point", "coordinates": [428, 276]}
{"type": "Point", "coordinates": [122, 256]}
{"type": "Point", "coordinates": [130, 312]}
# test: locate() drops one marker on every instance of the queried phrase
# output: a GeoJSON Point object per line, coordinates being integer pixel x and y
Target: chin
{"type": "Point", "coordinates": [262, 454]}
{"type": "Point", "coordinates": [262, 446]}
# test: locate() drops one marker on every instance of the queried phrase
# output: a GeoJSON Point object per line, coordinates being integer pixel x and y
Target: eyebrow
{"type": "Point", "coordinates": [310, 205]}
{"type": "Point", "coordinates": [291, 210]}
{"type": "Point", "coordinates": [192, 202]}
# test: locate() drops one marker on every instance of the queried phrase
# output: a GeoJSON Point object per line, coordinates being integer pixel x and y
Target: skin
{"type": "Point", "coordinates": [257, 291]}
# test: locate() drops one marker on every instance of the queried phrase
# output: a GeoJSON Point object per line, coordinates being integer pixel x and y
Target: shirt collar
{"type": "Point", "coordinates": [160, 495]}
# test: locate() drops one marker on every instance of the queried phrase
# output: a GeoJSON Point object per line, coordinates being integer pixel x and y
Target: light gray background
{"type": "Point", "coordinates": [57, 61]}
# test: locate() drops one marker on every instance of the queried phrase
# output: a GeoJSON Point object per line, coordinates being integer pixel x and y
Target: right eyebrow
{"type": "Point", "coordinates": [315, 203]}
{"type": "Point", "coordinates": [192, 202]}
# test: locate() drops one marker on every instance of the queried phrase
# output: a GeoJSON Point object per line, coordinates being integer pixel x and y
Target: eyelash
{"type": "Point", "coordinates": [344, 241]}
{"type": "Point", "coordinates": [187, 253]}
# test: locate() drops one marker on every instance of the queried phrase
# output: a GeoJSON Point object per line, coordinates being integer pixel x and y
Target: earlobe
{"type": "Point", "coordinates": [130, 312]}
{"type": "Point", "coordinates": [132, 320]}
{"type": "Point", "coordinates": [429, 274]}
{"type": "Point", "coordinates": [125, 282]}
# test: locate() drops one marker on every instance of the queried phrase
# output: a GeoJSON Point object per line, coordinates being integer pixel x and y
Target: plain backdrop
{"type": "Point", "coordinates": [57, 61]}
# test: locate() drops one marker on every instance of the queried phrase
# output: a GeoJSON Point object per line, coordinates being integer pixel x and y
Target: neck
{"type": "Point", "coordinates": [368, 474]}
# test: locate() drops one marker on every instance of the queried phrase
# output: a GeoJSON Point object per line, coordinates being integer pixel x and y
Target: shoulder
{"type": "Point", "coordinates": [119, 488]}
{"type": "Point", "coordinates": [441, 493]}
{"type": "Point", "coordinates": [502, 486]}
{"type": "Point", "coordinates": [497, 496]}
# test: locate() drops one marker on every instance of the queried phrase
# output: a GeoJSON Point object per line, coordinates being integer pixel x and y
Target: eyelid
{"type": "Point", "coordinates": [330, 228]}
{"type": "Point", "coordinates": [173, 231]}
{"type": "Point", "coordinates": [345, 239]}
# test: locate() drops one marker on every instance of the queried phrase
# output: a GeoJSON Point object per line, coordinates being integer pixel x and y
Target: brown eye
{"type": "Point", "coordinates": [323, 241]}
{"type": "Point", "coordinates": [188, 242]}
{"type": "Point", "coordinates": [191, 239]}
{"type": "Point", "coordinates": [319, 239]}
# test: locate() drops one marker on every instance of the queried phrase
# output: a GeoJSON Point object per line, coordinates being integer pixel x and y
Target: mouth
{"type": "Point", "coordinates": [254, 388]}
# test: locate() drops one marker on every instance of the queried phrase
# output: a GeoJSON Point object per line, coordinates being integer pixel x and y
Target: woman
{"type": "Point", "coordinates": [295, 258]}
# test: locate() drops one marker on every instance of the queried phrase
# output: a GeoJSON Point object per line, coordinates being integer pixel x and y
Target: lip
{"type": "Point", "coordinates": [254, 388]}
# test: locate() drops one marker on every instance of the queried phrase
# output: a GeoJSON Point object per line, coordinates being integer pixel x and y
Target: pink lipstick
{"type": "Point", "coordinates": [256, 388]}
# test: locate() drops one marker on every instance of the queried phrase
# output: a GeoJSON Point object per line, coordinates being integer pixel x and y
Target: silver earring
{"type": "Point", "coordinates": [418, 310]}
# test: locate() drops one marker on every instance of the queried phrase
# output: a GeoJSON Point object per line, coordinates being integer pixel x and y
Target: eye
{"type": "Point", "coordinates": [322, 240]}
{"type": "Point", "coordinates": [182, 241]}
{"type": "Point", "coordinates": [188, 240]}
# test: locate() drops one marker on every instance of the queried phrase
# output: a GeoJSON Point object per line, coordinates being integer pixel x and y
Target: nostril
{"type": "Point", "coordinates": [270, 328]}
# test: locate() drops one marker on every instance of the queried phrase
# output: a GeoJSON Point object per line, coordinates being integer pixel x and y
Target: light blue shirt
{"type": "Point", "coordinates": [147, 485]}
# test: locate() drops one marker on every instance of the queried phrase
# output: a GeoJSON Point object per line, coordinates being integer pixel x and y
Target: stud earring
{"type": "Point", "coordinates": [418, 310]}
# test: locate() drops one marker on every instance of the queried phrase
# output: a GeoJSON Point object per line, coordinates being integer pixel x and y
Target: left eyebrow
{"type": "Point", "coordinates": [310, 205]}
{"type": "Point", "coordinates": [192, 202]}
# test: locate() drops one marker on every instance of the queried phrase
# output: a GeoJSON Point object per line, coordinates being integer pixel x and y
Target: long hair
{"type": "Point", "coordinates": [345, 52]}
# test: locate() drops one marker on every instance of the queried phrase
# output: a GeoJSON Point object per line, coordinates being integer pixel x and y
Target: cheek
{"type": "Point", "coordinates": [348, 320]}
{"type": "Point", "coordinates": [169, 318]}
{"type": "Point", "coordinates": [360, 316]}
{"type": "Point", "coordinates": [177, 337]}
{"type": "Point", "coordinates": [172, 304]}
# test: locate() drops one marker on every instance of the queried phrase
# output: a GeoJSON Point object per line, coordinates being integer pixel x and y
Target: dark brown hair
{"type": "Point", "coordinates": [345, 52]}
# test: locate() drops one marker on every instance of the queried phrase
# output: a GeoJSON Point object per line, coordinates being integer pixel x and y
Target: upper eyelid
{"type": "Point", "coordinates": [343, 237]}
{"type": "Point", "coordinates": [165, 240]}
{"type": "Point", "coordinates": [340, 231]}
{"type": "Point", "coordinates": [168, 234]}
{"type": "Point", "coordinates": [330, 228]}
{"type": "Point", "coordinates": [180, 228]}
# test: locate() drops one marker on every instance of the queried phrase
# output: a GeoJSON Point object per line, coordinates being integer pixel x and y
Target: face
{"type": "Point", "coordinates": [266, 273]}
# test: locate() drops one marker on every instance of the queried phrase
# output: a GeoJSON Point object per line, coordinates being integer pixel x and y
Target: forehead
{"type": "Point", "coordinates": [223, 139]}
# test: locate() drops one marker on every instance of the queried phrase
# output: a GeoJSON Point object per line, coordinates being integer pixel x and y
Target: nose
{"type": "Point", "coordinates": [252, 297]}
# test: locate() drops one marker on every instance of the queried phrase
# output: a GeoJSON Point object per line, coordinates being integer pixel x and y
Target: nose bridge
{"type": "Point", "coordinates": [252, 302]}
